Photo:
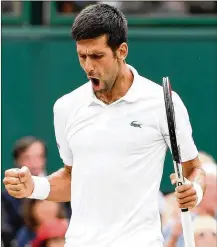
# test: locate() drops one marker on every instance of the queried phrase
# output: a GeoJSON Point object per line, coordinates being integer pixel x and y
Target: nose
{"type": "Point", "coordinates": [88, 66]}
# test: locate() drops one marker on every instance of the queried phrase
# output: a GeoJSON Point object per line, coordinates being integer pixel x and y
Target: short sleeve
{"type": "Point", "coordinates": [59, 128]}
{"type": "Point", "coordinates": [188, 150]}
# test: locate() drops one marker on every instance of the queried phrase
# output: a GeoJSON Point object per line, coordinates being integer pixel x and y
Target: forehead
{"type": "Point", "coordinates": [92, 45]}
{"type": "Point", "coordinates": [36, 147]}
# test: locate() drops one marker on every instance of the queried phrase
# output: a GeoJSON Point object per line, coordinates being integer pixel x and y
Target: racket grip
{"type": "Point", "coordinates": [187, 227]}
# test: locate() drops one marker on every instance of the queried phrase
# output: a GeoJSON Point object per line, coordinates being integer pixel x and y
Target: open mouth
{"type": "Point", "coordinates": [95, 81]}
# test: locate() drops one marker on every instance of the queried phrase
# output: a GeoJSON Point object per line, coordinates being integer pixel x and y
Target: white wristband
{"type": "Point", "coordinates": [41, 188]}
{"type": "Point", "coordinates": [199, 191]}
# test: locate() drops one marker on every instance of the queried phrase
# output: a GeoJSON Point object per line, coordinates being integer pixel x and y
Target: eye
{"type": "Point", "coordinates": [82, 56]}
{"type": "Point", "coordinates": [214, 234]}
{"type": "Point", "coordinates": [201, 234]}
{"type": "Point", "coordinates": [95, 56]}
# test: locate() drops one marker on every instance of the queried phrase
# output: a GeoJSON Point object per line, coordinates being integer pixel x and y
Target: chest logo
{"type": "Point", "coordinates": [136, 124]}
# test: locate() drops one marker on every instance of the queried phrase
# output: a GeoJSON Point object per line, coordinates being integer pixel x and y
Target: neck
{"type": "Point", "coordinates": [122, 84]}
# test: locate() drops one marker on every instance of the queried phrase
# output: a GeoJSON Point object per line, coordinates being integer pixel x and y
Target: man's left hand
{"type": "Point", "coordinates": [185, 194]}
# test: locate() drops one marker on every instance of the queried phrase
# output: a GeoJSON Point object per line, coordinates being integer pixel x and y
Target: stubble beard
{"type": "Point", "coordinates": [108, 86]}
{"type": "Point", "coordinates": [103, 94]}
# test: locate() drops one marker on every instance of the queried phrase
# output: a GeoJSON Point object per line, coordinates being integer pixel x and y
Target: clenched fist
{"type": "Point", "coordinates": [19, 182]}
{"type": "Point", "coordinates": [185, 194]}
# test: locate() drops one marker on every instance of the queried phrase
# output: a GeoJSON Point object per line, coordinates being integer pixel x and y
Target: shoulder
{"type": "Point", "coordinates": [24, 234]}
{"type": "Point", "coordinates": [144, 86]}
{"type": "Point", "coordinates": [152, 90]}
{"type": "Point", "coordinates": [23, 231]}
{"type": "Point", "coordinates": [153, 87]}
{"type": "Point", "coordinates": [6, 197]}
{"type": "Point", "coordinates": [71, 100]}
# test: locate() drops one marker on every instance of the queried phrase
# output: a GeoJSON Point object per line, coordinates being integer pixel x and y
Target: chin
{"type": "Point", "coordinates": [100, 90]}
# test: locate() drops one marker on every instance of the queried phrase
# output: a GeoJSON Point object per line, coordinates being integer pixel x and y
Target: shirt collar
{"type": "Point", "coordinates": [130, 96]}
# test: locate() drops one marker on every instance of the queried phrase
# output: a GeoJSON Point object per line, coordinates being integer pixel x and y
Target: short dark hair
{"type": "Point", "coordinates": [99, 19]}
{"type": "Point", "coordinates": [24, 143]}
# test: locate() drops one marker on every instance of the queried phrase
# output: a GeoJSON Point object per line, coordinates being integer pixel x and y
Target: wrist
{"type": "Point", "coordinates": [172, 240]}
{"type": "Point", "coordinates": [41, 188]}
{"type": "Point", "coordinates": [199, 192]}
{"type": "Point", "coordinates": [198, 189]}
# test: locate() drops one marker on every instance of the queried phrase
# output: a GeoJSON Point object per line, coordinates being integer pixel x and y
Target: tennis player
{"type": "Point", "coordinates": [112, 137]}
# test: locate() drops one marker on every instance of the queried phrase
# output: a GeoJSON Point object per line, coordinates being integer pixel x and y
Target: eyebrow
{"type": "Point", "coordinates": [92, 53]}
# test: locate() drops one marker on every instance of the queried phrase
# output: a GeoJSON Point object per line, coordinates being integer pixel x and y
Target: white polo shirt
{"type": "Point", "coordinates": [117, 152]}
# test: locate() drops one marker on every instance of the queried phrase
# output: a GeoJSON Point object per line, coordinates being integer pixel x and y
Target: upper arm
{"type": "Point", "coordinates": [60, 133]}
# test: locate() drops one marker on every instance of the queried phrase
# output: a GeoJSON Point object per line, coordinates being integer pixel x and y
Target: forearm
{"type": "Point", "coordinates": [195, 173]}
{"type": "Point", "coordinates": [60, 186]}
{"type": "Point", "coordinates": [198, 176]}
{"type": "Point", "coordinates": [171, 242]}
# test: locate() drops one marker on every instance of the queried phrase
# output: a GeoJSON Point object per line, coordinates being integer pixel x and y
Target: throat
{"type": "Point", "coordinates": [106, 98]}
{"type": "Point", "coordinates": [120, 88]}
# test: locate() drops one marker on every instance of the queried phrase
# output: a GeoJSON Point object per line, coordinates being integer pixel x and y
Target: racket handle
{"type": "Point", "coordinates": [187, 227]}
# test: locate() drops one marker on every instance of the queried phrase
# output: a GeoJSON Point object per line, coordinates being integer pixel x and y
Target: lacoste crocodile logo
{"type": "Point", "coordinates": [136, 124]}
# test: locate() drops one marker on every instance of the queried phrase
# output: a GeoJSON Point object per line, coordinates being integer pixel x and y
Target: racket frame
{"type": "Point", "coordinates": [186, 221]}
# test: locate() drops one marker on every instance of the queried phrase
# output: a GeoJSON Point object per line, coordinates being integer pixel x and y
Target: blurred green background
{"type": "Point", "coordinates": [39, 64]}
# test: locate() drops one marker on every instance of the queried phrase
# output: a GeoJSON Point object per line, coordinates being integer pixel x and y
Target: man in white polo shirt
{"type": "Point", "coordinates": [112, 137]}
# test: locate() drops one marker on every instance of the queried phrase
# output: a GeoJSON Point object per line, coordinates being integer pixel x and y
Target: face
{"type": "Point", "coordinates": [100, 63]}
{"type": "Point", "coordinates": [33, 158]}
{"type": "Point", "coordinates": [45, 211]}
{"type": "Point", "coordinates": [209, 201]}
{"type": "Point", "coordinates": [206, 238]}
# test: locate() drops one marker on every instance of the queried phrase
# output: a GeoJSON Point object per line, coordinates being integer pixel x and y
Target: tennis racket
{"type": "Point", "coordinates": [187, 227]}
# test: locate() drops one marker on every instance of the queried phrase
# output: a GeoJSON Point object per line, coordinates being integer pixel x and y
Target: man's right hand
{"type": "Point", "coordinates": [19, 182]}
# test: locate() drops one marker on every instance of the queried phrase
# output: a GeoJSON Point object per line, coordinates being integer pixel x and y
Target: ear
{"type": "Point", "coordinates": [122, 51]}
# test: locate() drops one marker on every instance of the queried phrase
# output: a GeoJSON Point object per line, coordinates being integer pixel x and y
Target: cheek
{"type": "Point", "coordinates": [200, 241]}
{"type": "Point", "coordinates": [81, 64]}
{"type": "Point", "coordinates": [41, 218]}
{"type": "Point", "coordinates": [207, 240]}
{"type": "Point", "coordinates": [41, 161]}
{"type": "Point", "coordinates": [23, 161]}
{"type": "Point", "coordinates": [112, 70]}
{"type": "Point", "coordinates": [109, 64]}
{"type": "Point", "coordinates": [210, 241]}
{"type": "Point", "coordinates": [38, 214]}
{"type": "Point", "coordinates": [45, 211]}
{"type": "Point", "coordinates": [53, 209]}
